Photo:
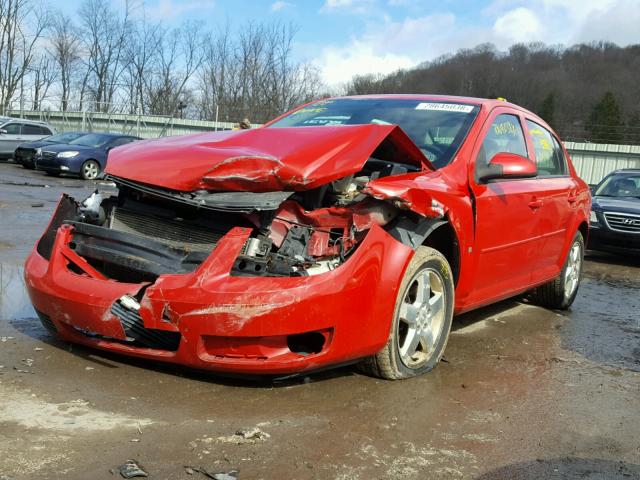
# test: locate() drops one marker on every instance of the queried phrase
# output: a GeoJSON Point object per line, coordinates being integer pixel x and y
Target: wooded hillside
{"type": "Point", "coordinates": [586, 92]}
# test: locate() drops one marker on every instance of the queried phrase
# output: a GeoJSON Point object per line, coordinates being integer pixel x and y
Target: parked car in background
{"type": "Point", "coordinates": [615, 214]}
{"type": "Point", "coordinates": [348, 230]}
{"type": "Point", "coordinates": [85, 156]}
{"type": "Point", "coordinates": [14, 131]}
{"type": "Point", "coordinates": [26, 152]}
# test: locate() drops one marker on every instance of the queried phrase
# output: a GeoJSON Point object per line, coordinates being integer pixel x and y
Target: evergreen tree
{"type": "Point", "coordinates": [547, 108]}
{"type": "Point", "coordinates": [605, 122]}
{"type": "Point", "coordinates": [633, 129]}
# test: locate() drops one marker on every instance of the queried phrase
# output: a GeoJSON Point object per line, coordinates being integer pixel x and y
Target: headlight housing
{"type": "Point", "coordinates": [69, 154]}
{"type": "Point", "coordinates": [593, 218]}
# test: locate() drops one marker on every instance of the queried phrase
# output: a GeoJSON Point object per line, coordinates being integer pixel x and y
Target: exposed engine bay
{"type": "Point", "coordinates": [145, 231]}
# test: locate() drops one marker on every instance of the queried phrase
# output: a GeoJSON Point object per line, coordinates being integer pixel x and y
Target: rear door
{"type": "Point", "coordinates": [559, 197]}
{"type": "Point", "coordinates": [10, 140]}
{"type": "Point", "coordinates": [508, 233]}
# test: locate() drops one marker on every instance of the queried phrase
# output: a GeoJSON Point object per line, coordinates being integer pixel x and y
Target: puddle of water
{"type": "Point", "coordinates": [14, 301]}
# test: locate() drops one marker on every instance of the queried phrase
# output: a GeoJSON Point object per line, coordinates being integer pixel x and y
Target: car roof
{"type": "Point", "coordinates": [626, 170]}
{"type": "Point", "coordinates": [109, 134]}
{"type": "Point", "coordinates": [23, 120]}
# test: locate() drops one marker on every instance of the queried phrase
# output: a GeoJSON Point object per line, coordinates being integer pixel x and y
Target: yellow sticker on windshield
{"type": "Point", "coordinates": [504, 128]}
{"type": "Point", "coordinates": [309, 110]}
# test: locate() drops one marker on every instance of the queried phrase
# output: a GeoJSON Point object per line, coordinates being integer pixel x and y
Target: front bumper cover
{"type": "Point", "coordinates": [222, 322]}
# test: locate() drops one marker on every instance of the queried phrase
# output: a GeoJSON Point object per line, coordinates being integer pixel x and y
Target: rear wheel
{"type": "Point", "coordinates": [422, 319]}
{"type": "Point", "coordinates": [90, 170]}
{"type": "Point", "coordinates": [560, 293]}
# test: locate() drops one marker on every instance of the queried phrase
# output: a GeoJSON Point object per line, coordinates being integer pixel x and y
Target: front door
{"type": "Point", "coordinates": [507, 236]}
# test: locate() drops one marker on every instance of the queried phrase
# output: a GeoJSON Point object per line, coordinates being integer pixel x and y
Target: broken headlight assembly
{"type": "Point", "coordinates": [261, 257]}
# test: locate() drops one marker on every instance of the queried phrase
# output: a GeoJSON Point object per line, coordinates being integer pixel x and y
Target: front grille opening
{"type": "Point", "coordinates": [138, 335]}
{"type": "Point", "coordinates": [306, 343]}
{"type": "Point", "coordinates": [47, 322]}
{"type": "Point", "coordinates": [623, 222]}
{"type": "Point", "coordinates": [176, 233]}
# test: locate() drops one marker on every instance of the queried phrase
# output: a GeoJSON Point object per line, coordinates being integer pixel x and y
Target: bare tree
{"type": "Point", "coordinates": [254, 75]}
{"type": "Point", "coordinates": [64, 48]}
{"type": "Point", "coordinates": [180, 55]}
{"type": "Point", "coordinates": [141, 59]}
{"type": "Point", "coordinates": [21, 26]}
{"type": "Point", "coordinates": [44, 73]}
{"type": "Point", "coordinates": [103, 33]}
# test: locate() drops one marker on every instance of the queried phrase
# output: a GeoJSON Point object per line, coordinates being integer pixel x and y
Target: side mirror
{"type": "Point", "coordinates": [2, 131]}
{"type": "Point", "coordinates": [507, 165]}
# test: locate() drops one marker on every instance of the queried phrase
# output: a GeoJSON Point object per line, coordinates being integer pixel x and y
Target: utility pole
{"type": "Point", "coordinates": [22, 95]}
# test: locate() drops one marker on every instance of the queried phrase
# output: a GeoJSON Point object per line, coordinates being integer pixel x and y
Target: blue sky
{"type": "Point", "coordinates": [345, 37]}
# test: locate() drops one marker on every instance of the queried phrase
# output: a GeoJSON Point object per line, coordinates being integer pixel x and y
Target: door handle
{"type": "Point", "coordinates": [572, 198]}
{"type": "Point", "coordinates": [535, 204]}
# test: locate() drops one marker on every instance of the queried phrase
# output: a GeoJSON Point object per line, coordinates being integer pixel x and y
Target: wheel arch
{"type": "Point", "coordinates": [437, 233]}
{"type": "Point", "coordinates": [583, 228]}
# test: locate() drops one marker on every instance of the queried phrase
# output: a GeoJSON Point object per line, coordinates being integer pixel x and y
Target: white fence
{"type": "Point", "coordinates": [592, 160]}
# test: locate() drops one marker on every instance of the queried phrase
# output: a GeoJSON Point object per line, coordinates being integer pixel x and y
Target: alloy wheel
{"type": "Point", "coordinates": [421, 318]}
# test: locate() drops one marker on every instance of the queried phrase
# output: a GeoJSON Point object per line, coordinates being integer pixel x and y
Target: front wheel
{"type": "Point", "coordinates": [90, 170]}
{"type": "Point", "coordinates": [422, 319]}
{"type": "Point", "coordinates": [560, 293]}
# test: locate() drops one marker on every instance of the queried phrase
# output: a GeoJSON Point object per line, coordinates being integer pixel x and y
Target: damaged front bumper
{"type": "Point", "coordinates": [207, 318]}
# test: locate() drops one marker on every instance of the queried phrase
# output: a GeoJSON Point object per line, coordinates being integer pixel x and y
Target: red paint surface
{"type": "Point", "coordinates": [512, 235]}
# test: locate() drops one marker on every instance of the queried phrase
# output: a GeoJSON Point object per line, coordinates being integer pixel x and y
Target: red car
{"type": "Point", "coordinates": [347, 230]}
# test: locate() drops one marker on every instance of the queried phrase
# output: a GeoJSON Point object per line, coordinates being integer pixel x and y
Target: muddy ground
{"type": "Point", "coordinates": [523, 393]}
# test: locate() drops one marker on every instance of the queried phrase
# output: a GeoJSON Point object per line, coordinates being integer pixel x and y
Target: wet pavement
{"type": "Point", "coordinates": [523, 393]}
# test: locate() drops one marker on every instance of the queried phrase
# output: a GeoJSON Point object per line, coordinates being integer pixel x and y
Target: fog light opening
{"type": "Point", "coordinates": [306, 343]}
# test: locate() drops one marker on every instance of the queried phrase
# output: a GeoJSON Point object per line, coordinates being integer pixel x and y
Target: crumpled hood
{"type": "Point", "coordinates": [260, 160]}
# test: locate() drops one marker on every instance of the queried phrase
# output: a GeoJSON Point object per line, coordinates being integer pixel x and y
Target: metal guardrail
{"type": "Point", "coordinates": [593, 161]}
{"type": "Point", "coordinates": [145, 126]}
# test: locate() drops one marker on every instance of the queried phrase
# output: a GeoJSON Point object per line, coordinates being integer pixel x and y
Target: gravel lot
{"type": "Point", "coordinates": [523, 392]}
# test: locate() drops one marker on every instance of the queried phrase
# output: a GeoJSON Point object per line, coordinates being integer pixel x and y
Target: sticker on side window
{"type": "Point", "coordinates": [445, 107]}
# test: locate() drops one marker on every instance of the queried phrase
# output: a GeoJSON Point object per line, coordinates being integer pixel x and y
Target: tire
{"type": "Point", "coordinates": [560, 293]}
{"type": "Point", "coordinates": [89, 170]}
{"type": "Point", "coordinates": [406, 355]}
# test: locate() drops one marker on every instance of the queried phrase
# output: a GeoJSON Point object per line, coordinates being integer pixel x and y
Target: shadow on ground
{"type": "Point", "coordinates": [568, 468]}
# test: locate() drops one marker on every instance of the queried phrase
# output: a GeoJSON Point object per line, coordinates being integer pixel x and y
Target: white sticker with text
{"type": "Point", "coordinates": [445, 107]}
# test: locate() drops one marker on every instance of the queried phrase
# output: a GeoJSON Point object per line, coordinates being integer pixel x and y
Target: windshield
{"type": "Point", "coordinates": [620, 185]}
{"type": "Point", "coordinates": [438, 128]}
{"type": "Point", "coordinates": [64, 137]}
{"type": "Point", "coordinates": [94, 140]}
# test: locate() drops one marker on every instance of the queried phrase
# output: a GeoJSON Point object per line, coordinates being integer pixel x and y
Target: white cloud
{"type": "Point", "coordinates": [339, 65]}
{"type": "Point", "coordinates": [386, 45]}
{"type": "Point", "coordinates": [518, 25]}
{"type": "Point", "coordinates": [347, 6]}
{"type": "Point", "coordinates": [169, 9]}
{"type": "Point", "coordinates": [279, 5]}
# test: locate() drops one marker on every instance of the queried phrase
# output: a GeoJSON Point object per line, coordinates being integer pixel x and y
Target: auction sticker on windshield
{"type": "Point", "coordinates": [445, 107]}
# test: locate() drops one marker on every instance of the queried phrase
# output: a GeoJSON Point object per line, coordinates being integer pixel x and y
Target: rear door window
{"type": "Point", "coordinates": [32, 130]}
{"type": "Point", "coordinates": [549, 155]}
{"type": "Point", "coordinates": [504, 135]}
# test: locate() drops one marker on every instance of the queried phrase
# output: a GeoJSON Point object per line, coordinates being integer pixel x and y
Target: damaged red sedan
{"type": "Point", "coordinates": [348, 230]}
